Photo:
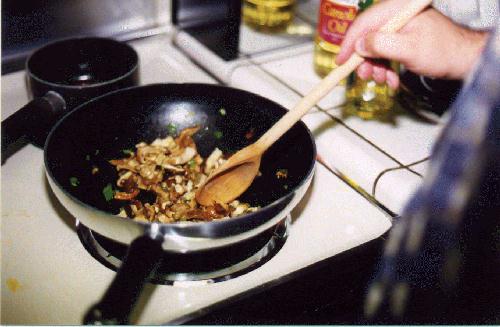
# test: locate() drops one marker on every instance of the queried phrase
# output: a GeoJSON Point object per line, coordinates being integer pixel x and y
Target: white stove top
{"type": "Point", "coordinates": [49, 278]}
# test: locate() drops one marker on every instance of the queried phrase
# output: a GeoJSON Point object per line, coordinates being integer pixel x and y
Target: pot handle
{"type": "Point", "coordinates": [34, 119]}
{"type": "Point", "coordinates": [143, 257]}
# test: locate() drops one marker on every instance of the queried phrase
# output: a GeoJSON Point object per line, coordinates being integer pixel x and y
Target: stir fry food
{"type": "Point", "coordinates": [172, 170]}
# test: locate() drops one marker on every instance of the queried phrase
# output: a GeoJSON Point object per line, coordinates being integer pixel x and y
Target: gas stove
{"type": "Point", "coordinates": [54, 269]}
{"type": "Point", "coordinates": [211, 266]}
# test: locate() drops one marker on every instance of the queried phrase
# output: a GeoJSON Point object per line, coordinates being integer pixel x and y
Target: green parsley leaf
{"type": "Point", "coordinates": [218, 134]}
{"type": "Point", "coordinates": [128, 151]}
{"type": "Point", "coordinates": [108, 192]}
{"type": "Point", "coordinates": [191, 164]}
{"type": "Point", "coordinates": [171, 129]}
{"type": "Point", "coordinates": [74, 181]}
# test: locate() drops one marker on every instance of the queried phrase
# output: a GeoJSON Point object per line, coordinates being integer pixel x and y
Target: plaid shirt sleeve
{"type": "Point", "coordinates": [476, 14]}
{"type": "Point", "coordinates": [441, 263]}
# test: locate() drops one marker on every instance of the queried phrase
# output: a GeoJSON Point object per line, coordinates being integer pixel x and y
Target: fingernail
{"type": "Point", "coordinates": [360, 46]}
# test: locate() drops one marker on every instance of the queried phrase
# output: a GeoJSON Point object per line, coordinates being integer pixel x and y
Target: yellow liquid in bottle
{"type": "Point", "coordinates": [268, 15]}
{"type": "Point", "coordinates": [324, 56]}
{"type": "Point", "coordinates": [367, 99]}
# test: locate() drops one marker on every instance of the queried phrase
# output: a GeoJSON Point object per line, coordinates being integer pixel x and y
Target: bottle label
{"type": "Point", "coordinates": [334, 19]}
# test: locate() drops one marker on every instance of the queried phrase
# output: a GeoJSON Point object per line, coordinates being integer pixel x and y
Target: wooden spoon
{"type": "Point", "coordinates": [232, 178]}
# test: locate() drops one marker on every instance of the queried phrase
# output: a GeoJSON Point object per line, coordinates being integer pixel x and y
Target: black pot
{"type": "Point", "coordinates": [63, 75]}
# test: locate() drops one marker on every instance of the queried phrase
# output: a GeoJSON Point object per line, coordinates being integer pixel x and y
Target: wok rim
{"type": "Point", "coordinates": [180, 225]}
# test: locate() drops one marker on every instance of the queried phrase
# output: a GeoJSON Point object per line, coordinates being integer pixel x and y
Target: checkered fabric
{"type": "Point", "coordinates": [441, 263]}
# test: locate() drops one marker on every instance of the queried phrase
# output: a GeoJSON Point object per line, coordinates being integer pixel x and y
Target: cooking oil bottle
{"type": "Point", "coordinates": [268, 15]}
{"type": "Point", "coordinates": [335, 16]}
{"type": "Point", "coordinates": [365, 99]}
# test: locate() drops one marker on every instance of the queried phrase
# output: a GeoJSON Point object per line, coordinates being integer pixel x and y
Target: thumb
{"type": "Point", "coordinates": [393, 46]}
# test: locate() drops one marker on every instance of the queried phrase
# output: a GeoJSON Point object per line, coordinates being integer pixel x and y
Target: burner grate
{"type": "Point", "coordinates": [209, 266]}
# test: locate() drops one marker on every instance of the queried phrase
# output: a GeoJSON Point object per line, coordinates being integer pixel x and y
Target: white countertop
{"type": "Point", "coordinates": [49, 278]}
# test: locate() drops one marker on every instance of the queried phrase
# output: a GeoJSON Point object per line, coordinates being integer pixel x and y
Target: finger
{"type": "Point", "coordinates": [392, 79]}
{"type": "Point", "coordinates": [360, 27]}
{"type": "Point", "coordinates": [370, 20]}
{"type": "Point", "coordinates": [393, 46]}
{"type": "Point", "coordinates": [356, 31]}
{"type": "Point", "coordinates": [379, 74]}
{"type": "Point", "coordinates": [365, 71]}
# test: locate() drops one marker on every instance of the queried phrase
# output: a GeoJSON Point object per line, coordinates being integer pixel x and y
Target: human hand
{"type": "Point", "coordinates": [430, 44]}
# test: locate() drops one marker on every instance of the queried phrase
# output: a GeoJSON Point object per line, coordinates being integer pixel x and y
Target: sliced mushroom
{"type": "Point", "coordinates": [126, 195]}
{"type": "Point", "coordinates": [148, 154]}
{"type": "Point", "coordinates": [125, 164]}
{"type": "Point", "coordinates": [171, 168]}
{"type": "Point", "coordinates": [184, 140]}
{"type": "Point", "coordinates": [149, 172]}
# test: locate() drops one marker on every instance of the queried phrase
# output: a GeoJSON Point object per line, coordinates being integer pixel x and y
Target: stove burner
{"type": "Point", "coordinates": [209, 266]}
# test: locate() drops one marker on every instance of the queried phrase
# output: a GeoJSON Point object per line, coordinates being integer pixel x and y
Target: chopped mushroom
{"type": "Point", "coordinates": [167, 142]}
{"type": "Point", "coordinates": [212, 160]}
{"type": "Point", "coordinates": [186, 155]}
{"type": "Point", "coordinates": [241, 208]}
{"type": "Point", "coordinates": [172, 170]}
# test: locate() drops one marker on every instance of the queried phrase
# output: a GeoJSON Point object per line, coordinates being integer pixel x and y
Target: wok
{"type": "Point", "coordinates": [229, 119]}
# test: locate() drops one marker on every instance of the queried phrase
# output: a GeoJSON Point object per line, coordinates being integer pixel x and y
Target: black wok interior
{"type": "Point", "coordinates": [103, 128]}
{"type": "Point", "coordinates": [83, 61]}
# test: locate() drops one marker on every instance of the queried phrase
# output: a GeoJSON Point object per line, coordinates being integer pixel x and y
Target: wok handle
{"type": "Point", "coordinates": [34, 119]}
{"type": "Point", "coordinates": [142, 258]}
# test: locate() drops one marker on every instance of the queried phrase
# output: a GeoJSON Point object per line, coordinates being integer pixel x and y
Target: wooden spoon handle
{"type": "Point", "coordinates": [334, 77]}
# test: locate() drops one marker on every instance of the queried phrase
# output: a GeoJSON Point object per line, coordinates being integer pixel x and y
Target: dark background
{"type": "Point", "coordinates": [329, 292]}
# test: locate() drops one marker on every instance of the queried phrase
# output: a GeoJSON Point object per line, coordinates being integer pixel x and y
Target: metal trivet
{"type": "Point", "coordinates": [209, 266]}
